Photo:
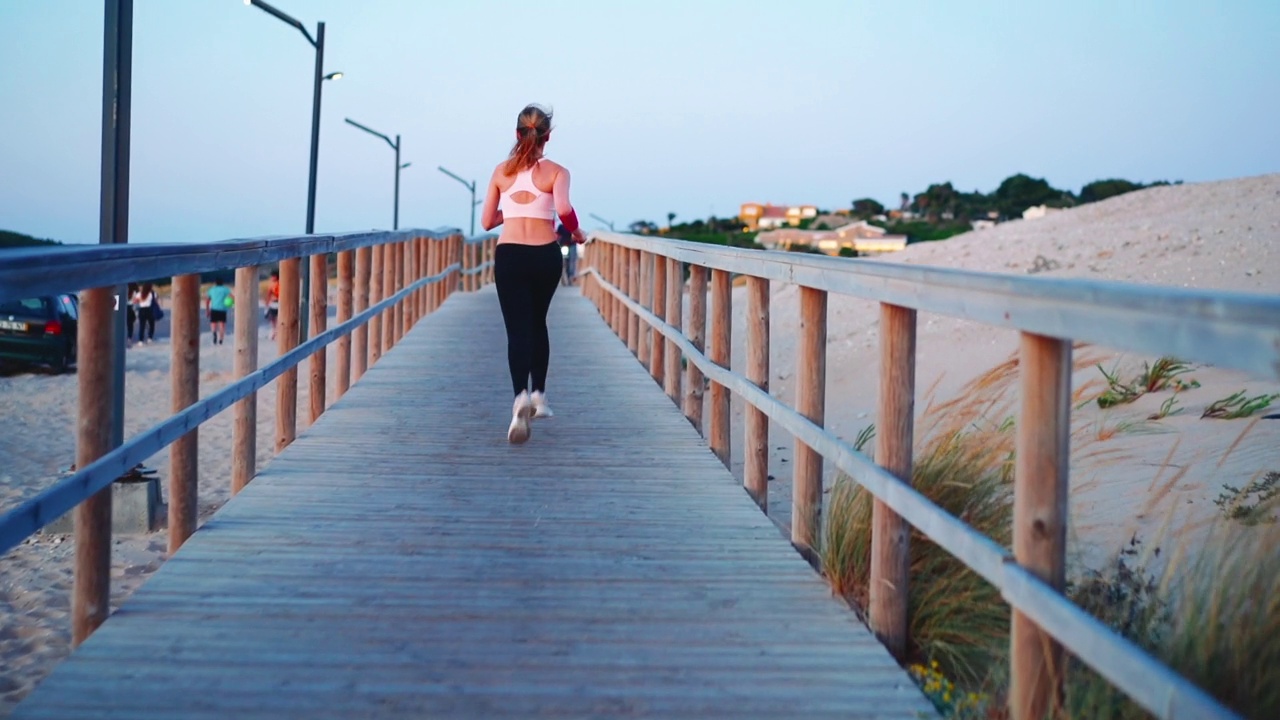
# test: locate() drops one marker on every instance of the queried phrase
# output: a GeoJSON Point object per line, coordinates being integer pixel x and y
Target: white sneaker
{"type": "Point", "coordinates": [521, 412]}
{"type": "Point", "coordinates": [540, 407]}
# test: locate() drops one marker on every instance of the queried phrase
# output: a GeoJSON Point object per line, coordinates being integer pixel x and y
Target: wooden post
{"type": "Point", "coordinates": [490, 255]}
{"type": "Point", "coordinates": [615, 278]}
{"type": "Point", "coordinates": [406, 274]}
{"type": "Point", "coordinates": [360, 336]}
{"type": "Point", "coordinates": [644, 295]}
{"type": "Point", "coordinates": [91, 593]}
{"type": "Point", "coordinates": [633, 292]}
{"type": "Point", "coordinates": [469, 263]}
{"type": "Point", "coordinates": [184, 374]}
{"type": "Point", "coordinates": [811, 392]}
{"type": "Point", "coordinates": [721, 344]}
{"type": "Point", "coordinates": [1040, 515]}
{"type": "Point", "coordinates": [388, 291]}
{"type": "Point", "coordinates": [319, 323]}
{"type": "Point", "coordinates": [890, 534]}
{"type": "Point", "coordinates": [287, 340]}
{"type": "Point", "coordinates": [244, 423]}
{"type": "Point", "coordinates": [693, 382]}
{"type": "Point", "coordinates": [397, 308]}
{"type": "Point", "coordinates": [755, 475]}
{"type": "Point", "coordinates": [424, 245]}
{"type": "Point", "coordinates": [657, 289]}
{"type": "Point", "coordinates": [346, 303]}
{"type": "Point", "coordinates": [376, 264]}
{"type": "Point", "coordinates": [437, 264]}
{"type": "Point", "coordinates": [675, 308]}
{"type": "Point", "coordinates": [411, 299]}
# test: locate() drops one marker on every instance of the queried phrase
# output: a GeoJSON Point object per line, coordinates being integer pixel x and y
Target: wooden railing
{"type": "Point", "coordinates": [387, 281]}
{"type": "Point", "coordinates": [638, 285]}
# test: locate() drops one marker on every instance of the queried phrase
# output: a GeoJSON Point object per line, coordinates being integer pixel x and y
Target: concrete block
{"type": "Point", "coordinates": [135, 507]}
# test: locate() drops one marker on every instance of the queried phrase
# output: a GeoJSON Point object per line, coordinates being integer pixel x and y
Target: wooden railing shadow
{"type": "Point", "coordinates": [638, 285]}
{"type": "Point", "coordinates": [386, 282]}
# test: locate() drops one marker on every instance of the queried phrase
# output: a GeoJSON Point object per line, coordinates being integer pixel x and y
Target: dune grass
{"type": "Point", "coordinates": [1212, 615]}
{"type": "Point", "coordinates": [1214, 618]}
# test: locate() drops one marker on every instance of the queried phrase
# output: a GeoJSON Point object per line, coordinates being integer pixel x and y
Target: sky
{"type": "Point", "coordinates": [685, 106]}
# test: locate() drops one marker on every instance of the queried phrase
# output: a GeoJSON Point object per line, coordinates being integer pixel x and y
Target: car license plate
{"type": "Point", "coordinates": [12, 325]}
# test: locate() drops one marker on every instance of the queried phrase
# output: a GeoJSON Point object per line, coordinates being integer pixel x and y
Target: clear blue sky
{"type": "Point", "coordinates": [661, 105]}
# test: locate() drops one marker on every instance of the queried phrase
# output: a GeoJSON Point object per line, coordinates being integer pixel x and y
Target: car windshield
{"type": "Point", "coordinates": [29, 306]}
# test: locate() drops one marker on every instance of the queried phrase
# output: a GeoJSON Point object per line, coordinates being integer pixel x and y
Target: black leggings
{"type": "Point", "coordinates": [146, 323]}
{"type": "Point", "coordinates": [527, 276]}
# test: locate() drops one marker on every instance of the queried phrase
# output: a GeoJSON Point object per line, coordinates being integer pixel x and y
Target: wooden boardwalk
{"type": "Point", "coordinates": [400, 559]}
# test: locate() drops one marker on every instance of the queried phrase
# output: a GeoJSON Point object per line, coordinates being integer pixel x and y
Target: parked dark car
{"type": "Point", "coordinates": [40, 331]}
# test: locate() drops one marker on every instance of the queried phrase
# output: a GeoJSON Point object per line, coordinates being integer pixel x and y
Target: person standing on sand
{"type": "Point", "coordinates": [131, 316]}
{"type": "Point", "coordinates": [216, 303]}
{"type": "Point", "coordinates": [272, 301]}
{"type": "Point", "coordinates": [145, 300]}
{"type": "Point", "coordinates": [526, 193]}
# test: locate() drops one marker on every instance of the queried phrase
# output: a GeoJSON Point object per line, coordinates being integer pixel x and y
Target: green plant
{"type": "Point", "coordinates": [1252, 504]}
{"type": "Point", "coordinates": [1117, 392]}
{"type": "Point", "coordinates": [1237, 405]}
{"type": "Point", "coordinates": [865, 436]}
{"type": "Point", "coordinates": [1167, 408]}
{"type": "Point", "coordinates": [1161, 374]}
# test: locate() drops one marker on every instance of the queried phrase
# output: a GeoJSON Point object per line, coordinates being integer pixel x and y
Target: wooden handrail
{"type": "Point", "coordinates": [1031, 580]}
{"type": "Point", "coordinates": [51, 503]}
{"type": "Point", "coordinates": [1227, 329]}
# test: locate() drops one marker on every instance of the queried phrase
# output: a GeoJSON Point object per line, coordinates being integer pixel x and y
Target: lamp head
{"type": "Point", "coordinates": [333, 76]}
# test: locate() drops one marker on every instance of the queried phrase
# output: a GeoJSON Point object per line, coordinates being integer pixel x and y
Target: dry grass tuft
{"type": "Point", "coordinates": [1213, 616]}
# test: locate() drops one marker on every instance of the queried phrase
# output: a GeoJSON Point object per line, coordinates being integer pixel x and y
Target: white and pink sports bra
{"type": "Point", "coordinates": [542, 206]}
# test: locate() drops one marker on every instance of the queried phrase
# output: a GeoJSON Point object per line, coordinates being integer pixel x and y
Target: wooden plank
{"type": "Point", "coordinates": [318, 363]}
{"type": "Point", "coordinates": [360, 338]}
{"type": "Point", "coordinates": [376, 295]}
{"type": "Point", "coordinates": [287, 333]}
{"type": "Point", "coordinates": [675, 309]}
{"type": "Point", "coordinates": [811, 400]}
{"type": "Point", "coordinates": [346, 305]}
{"type": "Point", "coordinates": [694, 381]}
{"type": "Point", "coordinates": [755, 472]}
{"type": "Point", "coordinates": [244, 423]}
{"type": "Point", "coordinates": [721, 352]}
{"type": "Point", "coordinates": [91, 589]}
{"type": "Point", "coordinates": [381, 566]}
{"type": "Point", "coordinates": [657, 295]}
{"type": "Point", "coordinates": [184, 368]}
{"type": "Point", "coordinates": [895, 437]}
{"type": "Point", "coordinates": [1040, 515]}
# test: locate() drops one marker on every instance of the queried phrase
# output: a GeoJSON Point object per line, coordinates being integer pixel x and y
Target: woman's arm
{"type": "Point", "coordinates": [491, 216]}
{"type": "Point", "coordinates": [564, 208]}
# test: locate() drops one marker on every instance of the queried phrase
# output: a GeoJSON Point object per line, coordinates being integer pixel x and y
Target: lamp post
{"type": "Point", "coordinates": [318, 43]}
{"type": "Point", "coordinates": [472, 187]}
{"type": "Point", "coordinates": [395, 218]}
{"type": "Point", "coordinates": [606, 222]}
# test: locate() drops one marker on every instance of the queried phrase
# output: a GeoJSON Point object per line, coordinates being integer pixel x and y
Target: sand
{"type": "Point", "coordinates": [1129, 474]}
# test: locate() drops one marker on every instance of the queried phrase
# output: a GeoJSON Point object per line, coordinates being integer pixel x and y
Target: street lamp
{"type": "Point", "coordinates": [606, 222]}
{"type": "Point", "coordinates": [472, 187]}
{"type": "Point", "coordinates": [395, 218]}
{"type": "Point", "coordinates": [318, 43]}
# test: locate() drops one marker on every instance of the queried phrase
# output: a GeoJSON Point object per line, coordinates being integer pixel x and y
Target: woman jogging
{"type": "Point", "coordinates": [526, 193]}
